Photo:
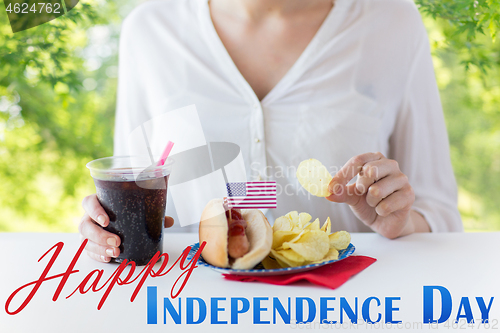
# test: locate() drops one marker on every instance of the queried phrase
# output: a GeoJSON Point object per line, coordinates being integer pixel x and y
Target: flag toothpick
{"type": "Point", "coordinates": [251, 195]}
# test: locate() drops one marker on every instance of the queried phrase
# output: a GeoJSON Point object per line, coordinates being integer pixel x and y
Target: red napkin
{"type": "Point", "coordinates": [331, 276]}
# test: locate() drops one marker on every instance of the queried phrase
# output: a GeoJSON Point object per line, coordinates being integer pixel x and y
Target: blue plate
{"type": "Point", "coordinates": [259, 269]}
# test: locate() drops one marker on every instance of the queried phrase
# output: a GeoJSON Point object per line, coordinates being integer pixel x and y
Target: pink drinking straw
{"type": "Point", "coordinates": [165, 154]}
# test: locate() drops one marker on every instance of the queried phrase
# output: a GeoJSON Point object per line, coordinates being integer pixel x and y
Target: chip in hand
{"type": "Point", "coordinates": [314, 177]}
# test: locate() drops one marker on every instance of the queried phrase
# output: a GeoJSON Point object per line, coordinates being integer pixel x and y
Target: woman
{"type": "Point", "coordinates": [348, 82]}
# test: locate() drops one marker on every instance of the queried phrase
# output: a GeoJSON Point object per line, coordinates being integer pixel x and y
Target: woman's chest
{"type": "Point", "coordinates": [264, 50]}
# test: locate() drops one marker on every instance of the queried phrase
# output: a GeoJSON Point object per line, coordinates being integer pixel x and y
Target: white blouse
{"type": "Point", "coordinates": [365, 83]}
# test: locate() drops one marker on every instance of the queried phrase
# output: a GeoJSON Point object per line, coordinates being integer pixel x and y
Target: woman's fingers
{"type": "Point", "coordinates": [340, 191]}
{"type": "Point", "coordinates": [108, 242]}
{"type": "Point", "coordinates": [352, 168]}
{"type": "Point", "coordinates": [400, 200]}
{"type": "Point", "coordinates": [94, 209]}
{"type": "Point", "coordinates": [381, 197]}
{"type": "Point", "coordinates": [374, 171]}
{"type": "Point", "coordinates": [102, 245]}
{"type": "Point", "coordinates": [385, 187]}
{"type": "Point", "coordinates": [95, 233]}
{"type": "Point", "coordinates": [344, 194]}
{"type": "Point", "coordinates": [102, 251]}
{"type": "Point", "coordinates": [97, 257]}
{"type": "Point", "coordinates": [168, 222]}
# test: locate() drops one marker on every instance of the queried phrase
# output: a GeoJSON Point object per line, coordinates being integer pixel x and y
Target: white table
{"type": "Point", "coordinates": [466, 264]}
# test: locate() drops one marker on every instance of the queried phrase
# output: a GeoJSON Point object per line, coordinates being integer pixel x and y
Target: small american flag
{"type": "Point", "coordinates": [251, 195]}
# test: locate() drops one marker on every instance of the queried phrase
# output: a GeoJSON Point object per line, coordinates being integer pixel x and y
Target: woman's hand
{"type": "Point", "coordinates": [102, 245]}
{"type": "Point", "coordinates": [381, 197]}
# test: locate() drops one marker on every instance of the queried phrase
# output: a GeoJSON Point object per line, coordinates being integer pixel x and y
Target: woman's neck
{"type": "Point", "coordinates": [256, 10]}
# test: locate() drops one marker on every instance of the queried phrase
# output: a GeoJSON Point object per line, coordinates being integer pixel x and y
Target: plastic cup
{"type": "Point", "coordinates": [135, 201]}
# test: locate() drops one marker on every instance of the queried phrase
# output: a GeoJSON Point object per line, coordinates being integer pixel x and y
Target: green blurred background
{"type": "Point", "coordinates": [58, 90]}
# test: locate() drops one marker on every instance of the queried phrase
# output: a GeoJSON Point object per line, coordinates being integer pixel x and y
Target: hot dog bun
{"type": "Point", "coordinates": [213, 230]}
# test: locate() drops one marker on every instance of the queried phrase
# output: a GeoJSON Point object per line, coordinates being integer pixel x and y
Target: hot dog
{"type": "Point", "coordinates": [239, 240]}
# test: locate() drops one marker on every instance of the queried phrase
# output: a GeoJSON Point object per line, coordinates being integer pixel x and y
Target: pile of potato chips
{"type": "Point", "coordinates": [298, 242]}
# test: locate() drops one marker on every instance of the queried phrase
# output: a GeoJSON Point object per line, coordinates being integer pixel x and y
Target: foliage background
{"type": "Point", "coordinates": [58, 90]}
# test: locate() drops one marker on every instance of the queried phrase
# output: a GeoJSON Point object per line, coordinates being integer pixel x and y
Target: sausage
{"type": "Point", "coordinates": [237, 241]}
{"type": "Point", "coordinates": [214, 234]}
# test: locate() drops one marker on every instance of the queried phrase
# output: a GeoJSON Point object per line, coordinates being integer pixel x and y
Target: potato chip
{"type": "Point", "coordinates": [314, 177]}
{"type": "Point", "coordinates": [327, 226]}
{"type": "Point", "coordinates": [270, 263]}
{"type": "Point", "coordinates": [281, 236]}
{"type": "Point", "coordinates": [312, 245]}
{"type": "Point", "coordinates": [312, 226]}
{"type": "Point", "coordinates": [294, 217]}
{"type": "Point", "coordinates": [340, 240]}
{"type": "Point", "coordinates": [303, 219]}
{"type": "Point", "coordinates": [292, 255]}
{"type": "Point", "coordinates": [298, 242]}
{"type": "Point", "coordinates": [282, 223]}
{"type": "Point", "coordinates": [332, 254]}
{"type": "Point", "coordinates": [293, 240]}
{"type": "Point", "coordinates": [284, 261]}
